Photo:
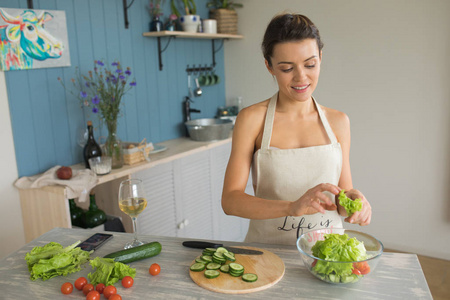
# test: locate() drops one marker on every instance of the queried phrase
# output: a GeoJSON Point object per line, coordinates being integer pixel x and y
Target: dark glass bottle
{"type": "Point", "coordinates": [94, 216]}
{"type": "Point", "coordinates": [76, 214]}
{"type": "Point", "coordinates": [91, 149]}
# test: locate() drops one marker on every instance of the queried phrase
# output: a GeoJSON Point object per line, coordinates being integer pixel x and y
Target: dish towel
{"type": "Point", "coordinates": [78, 186]}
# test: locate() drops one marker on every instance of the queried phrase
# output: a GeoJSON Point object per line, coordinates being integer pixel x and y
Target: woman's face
{"type": "Point", "coordinates": [296, 66]}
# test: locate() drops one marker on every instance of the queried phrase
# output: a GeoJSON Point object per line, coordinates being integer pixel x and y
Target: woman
{"type": "Point", "coordinates": [297, 149]}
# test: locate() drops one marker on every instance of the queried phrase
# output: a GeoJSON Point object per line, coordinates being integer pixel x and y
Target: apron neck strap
{"type": "Point", "coordinates": [325, 123]}
{"type": "Point", "coordinates": [268, 123]}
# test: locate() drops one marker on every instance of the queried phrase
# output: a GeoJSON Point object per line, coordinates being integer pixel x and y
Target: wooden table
{"type": "Point", "coordinates": [397, 276]}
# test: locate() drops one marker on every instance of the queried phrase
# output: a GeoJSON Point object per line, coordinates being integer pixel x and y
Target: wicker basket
{"type": "Point", "coordinates": [227, 20]}
{"type": "Point", "coordinates": [134, 153]}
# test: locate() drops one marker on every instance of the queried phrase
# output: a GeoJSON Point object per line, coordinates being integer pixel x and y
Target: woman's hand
{"type": "Point", "coordinates": [314, 200]}
{"type": "Point", "coordinates": [363, 216]}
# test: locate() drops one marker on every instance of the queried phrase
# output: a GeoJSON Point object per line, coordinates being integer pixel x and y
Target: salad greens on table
{"type": "Point", "coordinates": [339, 248]}
{"type": "Point", "coordinates": [108, 271]}
{"type": "Point", "coordinates": [53, 260]}
{"type": "Point", "coordinates": [351, 206]}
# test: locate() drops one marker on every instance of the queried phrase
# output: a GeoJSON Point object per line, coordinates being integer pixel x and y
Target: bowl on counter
{"type": "Point", "coordinates": [101, 165]}
{"type": "Point", "coordinates": [208, 130]}
{"type": "Point", "coordinates": [339, 272]}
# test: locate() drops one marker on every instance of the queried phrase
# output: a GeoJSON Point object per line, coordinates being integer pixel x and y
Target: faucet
{"type": "Point", "coordinates": [187, 109]}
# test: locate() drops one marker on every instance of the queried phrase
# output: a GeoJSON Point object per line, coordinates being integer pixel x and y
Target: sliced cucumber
{"type": "Point", "coordinates": [225, 268]}
{"type": "Point", "coordinates": [213, 266]}
{"type": "Point", "coordinates": [200, 260]}
{"type": "Point", "coordinates": [221, 250]}
{"type": "Point", "coordinates": [236, 267]}
{"type": "Point", "coordinates": [229, 256]}
{"type": "Point", "coordinates": [211, 274]}
{"type": "Point", "coordinates": [197, 267]}
{"type": "Point", "coordinates": [249, 277]}
{"type": "Point", "coordinates": [206, 258]}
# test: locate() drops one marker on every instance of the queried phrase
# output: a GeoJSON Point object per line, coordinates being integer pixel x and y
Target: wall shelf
{"type": "Point", "coordinates": [189, 35]}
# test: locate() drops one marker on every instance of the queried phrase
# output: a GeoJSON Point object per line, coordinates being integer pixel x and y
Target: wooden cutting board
{"type": "Point", "coordinates": [269, 267]}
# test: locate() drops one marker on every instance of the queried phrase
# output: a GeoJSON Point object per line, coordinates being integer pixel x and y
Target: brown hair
{"type": "Point", "coordinates": [288, 28]}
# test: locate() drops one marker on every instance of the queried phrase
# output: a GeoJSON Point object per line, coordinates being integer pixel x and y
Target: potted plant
{"type": "Point", "coordinates": [224, 12]}
{"type": "Point", "coordinates": [189, 19]}
{"type": "Point", "coordinates": [155, 10]}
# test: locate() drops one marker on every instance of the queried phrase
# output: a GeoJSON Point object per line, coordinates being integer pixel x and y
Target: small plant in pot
{"type": "Point", "coordinates": [224, 12]}
{"type": "Point", "coordinates": [190, 20]}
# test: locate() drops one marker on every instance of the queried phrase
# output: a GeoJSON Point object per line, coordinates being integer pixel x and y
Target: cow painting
{"type": "Point", "coordinates": [24, 40]}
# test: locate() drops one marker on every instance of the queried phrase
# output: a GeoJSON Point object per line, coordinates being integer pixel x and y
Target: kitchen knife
{"type": "Point", "coordinates": [235, 250]}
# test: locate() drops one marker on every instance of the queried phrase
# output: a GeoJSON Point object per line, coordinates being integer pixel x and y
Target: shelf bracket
{"type": "Point", "coordinates": [214, 51]}
{"type": "Point", "coordinates": [161, 51]}
{"type": "Point", "coordinates": [30, 4]}
{"type": "Point", "coordinates": [125, 11]}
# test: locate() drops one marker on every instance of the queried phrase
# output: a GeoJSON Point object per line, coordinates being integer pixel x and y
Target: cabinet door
{"type": "Point", "coordinates": [159, 218]}
{"type": "Point", "coordinates": [228, 228]}
{"type": "Point", "coordinates": [193, 188]}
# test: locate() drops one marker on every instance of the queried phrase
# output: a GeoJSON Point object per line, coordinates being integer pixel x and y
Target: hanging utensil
{"type": "Point", "coordinates": [198, 91]}
{"type": "Point", "coordinates": [189, 86]}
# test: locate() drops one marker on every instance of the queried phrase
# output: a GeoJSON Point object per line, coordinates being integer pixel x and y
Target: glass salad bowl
{"type": "Point", "coordinates": [341, 256]}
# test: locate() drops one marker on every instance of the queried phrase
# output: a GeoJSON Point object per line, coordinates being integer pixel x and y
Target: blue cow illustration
{"type": "Point", "coordinates": [24, 39]}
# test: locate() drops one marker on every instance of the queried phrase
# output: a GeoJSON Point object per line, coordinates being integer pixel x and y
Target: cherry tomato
{"type": "Point", "coordinates": [356, 271]}
{"type": "Point", "coordinates": [363, 267]}
{"type": "Point", "coordinates": [115, 297]}
{"type": "Point", "coordinates": [93, 295]}
{"type": "Point", "coordinates": [100, 287]}
{"type": "Point", "coordinates": [109, 290]}
{"type": "Point", "coordinates": [314, 263]}
{"type": "Point", "coordinates": [88, 288]}
{"type": "Point", "coordinates": [127, 281]}
{"type": "Point", "coordinates": [154, 269]}
{"type": "Point", "coordinates": [66, 288]}
{"type": "Point", "coordinates": [80, 283]}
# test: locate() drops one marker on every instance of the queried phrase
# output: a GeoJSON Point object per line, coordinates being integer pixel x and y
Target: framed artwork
{"type": "Point", "coordinates": [31, 39]}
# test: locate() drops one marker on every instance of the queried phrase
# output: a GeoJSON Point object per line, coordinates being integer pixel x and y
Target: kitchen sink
{"type": "Point", "coordinates": [207, 130]}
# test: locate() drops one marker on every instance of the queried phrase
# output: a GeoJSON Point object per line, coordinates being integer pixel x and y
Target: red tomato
{"type": "Point", "coordinates": [66, 288]}
{"type": "Point", "coordinates": [109, 291]}
{"type": "Point", "coordinates": [363, 267]}
{"type": "Point", "coordinates": [154, 269]}
{"type": "Point", "coordinates": [127, 281]}
{"type": "Point", "coordinates": [80, 283]}
{"type": "Point", "coordinates": [115, 297]}
{"type": "Point", "coordinates": [93, 295]}
{"type": "Point", "coordinates": [314, 263]}
{"type": "Point", "coordinates": [100, 287]}
{"type": "Point", "coordinates": [88, 288]}
{"type": "Point", "coordinates": [356, 271]}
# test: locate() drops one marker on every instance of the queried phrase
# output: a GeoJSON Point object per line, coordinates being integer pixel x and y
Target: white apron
{"type": "Point", "coordinates": [286, 174]}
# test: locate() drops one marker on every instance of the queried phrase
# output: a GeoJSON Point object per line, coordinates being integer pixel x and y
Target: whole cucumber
{"type": "Point", "coordinates": [137, 253]}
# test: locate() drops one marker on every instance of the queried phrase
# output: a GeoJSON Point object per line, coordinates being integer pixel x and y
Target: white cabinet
{"type": "Point", "coordinates": [184, 198]}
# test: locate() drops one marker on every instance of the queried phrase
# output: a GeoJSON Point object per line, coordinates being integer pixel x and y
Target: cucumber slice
{"type": "Point", "coordinates": [221, 250]}
{"type": "Point", "coordinates": [229, 256]}
{"type": "Point", "coordinates": [249, 277]}
{"type": "Point", "coordinates": [213, 266]}
{"type": "Point", "coordinates": [211, 274]}
{"type": "Point", "coordinates": [206, 258]}
{"type": "Point", "coordinates": [236, 267]}
{"type": "Point", "coordinates": [197, 267]}
{"type": "Point", "coordinates": [199, 260]}
{"type": "Point", "coordinates": [212, 250]}
{"type": "Point", "coordinates": [225, 268]}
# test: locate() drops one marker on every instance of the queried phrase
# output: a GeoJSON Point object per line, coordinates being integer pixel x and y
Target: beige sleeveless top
{"type": "Point", "coordinates": [286, 174]}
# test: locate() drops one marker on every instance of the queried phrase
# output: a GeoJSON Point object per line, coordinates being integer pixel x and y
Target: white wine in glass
{"type": "Point", "coordinates": [132, 201]}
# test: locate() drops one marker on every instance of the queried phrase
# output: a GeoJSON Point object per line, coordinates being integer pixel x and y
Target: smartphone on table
{"type": "Point", "coordinates": [95, 241]}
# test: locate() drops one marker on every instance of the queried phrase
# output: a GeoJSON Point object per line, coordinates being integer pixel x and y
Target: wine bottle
{"type": "Point", "coordinates": [76, 214]}
{"type": "Point", "coordinates": [94, 216]}
{"type": "Point", "coordinates": [91, 149]}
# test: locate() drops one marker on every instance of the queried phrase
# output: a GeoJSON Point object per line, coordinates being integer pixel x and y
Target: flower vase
{"type": "Point", "coordinates": [113, 146]}
{"type": "Point", "coordinates": [156, 24]}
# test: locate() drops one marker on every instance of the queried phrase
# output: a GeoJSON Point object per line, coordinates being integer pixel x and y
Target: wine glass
{"type": "Point", "coordinates": [132, 201]}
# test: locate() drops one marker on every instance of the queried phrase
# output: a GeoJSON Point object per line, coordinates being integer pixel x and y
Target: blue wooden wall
{"type": "Point", "coordinates": [46, 118]}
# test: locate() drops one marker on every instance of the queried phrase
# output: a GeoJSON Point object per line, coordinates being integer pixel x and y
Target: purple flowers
{"type": "Point", "coordinates": [128, 72]}
{"type": "Point", "coordinates": [95, 109]}
{"type": "Point", "coordinates": [95, 100]}
{"type": "Point", "coordinates": [83, 94]}
{"type": "Point", "coordinates": [133, 83]}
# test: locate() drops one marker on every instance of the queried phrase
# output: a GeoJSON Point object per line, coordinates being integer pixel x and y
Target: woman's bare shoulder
{"type": "Point", "coordinates": [339, 121]}
{"type": "Point", "coordinates": [253, 114]}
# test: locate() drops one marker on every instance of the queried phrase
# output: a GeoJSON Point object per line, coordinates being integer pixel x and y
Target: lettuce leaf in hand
{"type": "Point", "coordinates": [351, 206]}
{"type": "Point", "coordinates": [337, 247]}
{"type": "Point", "coordinates": [108, 271]}
{"type": "Point", "coordinates": [53, 260]}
